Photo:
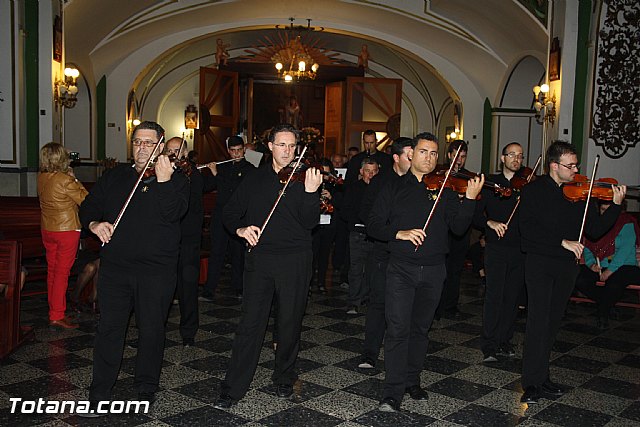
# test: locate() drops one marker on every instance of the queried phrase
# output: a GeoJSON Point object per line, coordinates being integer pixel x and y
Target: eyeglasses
{"type": "Point", "coordinates": [145, 142]}
{"type": "Point", "coordinates": [513, 155]}
{"type": "Point", "coordinates": [570, 166]}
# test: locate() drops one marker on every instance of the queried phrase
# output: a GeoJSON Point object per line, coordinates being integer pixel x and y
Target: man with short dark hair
{"type": "Point", "coordinates": [550, 227]}
{"type": "Point", "coordinates": [279, 265]}
{"type": "Point", "coordinates": [370, 143]}
{"type": "Point", "coordinates": [376, 270]}
{"type": "Point", "coordinates": [503, 259]}
{"type": "Point", "coordinates": [138, 261]}
{"type": "Point", "coordinates": [416, 270]}
{"type": "Point", "coordinates": [227, 177]}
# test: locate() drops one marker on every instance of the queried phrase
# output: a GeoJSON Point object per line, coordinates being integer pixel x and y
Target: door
{"type": "Point", "coordinates": [219, 113]}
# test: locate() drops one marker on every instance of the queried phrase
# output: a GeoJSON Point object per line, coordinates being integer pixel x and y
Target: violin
{"type": "Point", "coordinates": [181, 165]}
{"type": "Point", "coordinates": [300, 173]}
{"type": "Point", "coordinates": [458, 182]}
{"type": "Point", "coordinates": [521, 178]}
{"type": "Point", "coordinates": [578, 189]}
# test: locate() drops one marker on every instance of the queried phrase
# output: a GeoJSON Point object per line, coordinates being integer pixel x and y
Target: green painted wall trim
{"type": "Point", "coordinates": [487, 121]}
{"type": "Point", "coordinates": [31, 82]}
{"type": "Point", "coordinates": [582, 73]}
{"type": "Point", "coordinates": [101, 119]}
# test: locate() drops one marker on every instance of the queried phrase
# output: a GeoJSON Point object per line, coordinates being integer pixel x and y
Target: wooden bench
{"type": "Point", "coordinates": [12, 335]}
{"type": "Point", "coordinates": [631, 287]}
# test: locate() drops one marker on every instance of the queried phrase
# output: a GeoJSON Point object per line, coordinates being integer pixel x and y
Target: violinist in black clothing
{"type": "Point", "coordinates": [278, 266]}
{"type": "Point", "coordinates": [416, 270]}
{"type": "Point", "coordinates": [226, 177]}
{"type": "Point", "coordinates": [503, 259]}
{"type": "Point", "coordinates": [550, 228]}
{"type": "Point", "coordinates": [191, 237]}
{"type": "Point", "coordinates": [325, 232]}
{"type": "Point", "coordinates": [458, 244]}
{"type": "Point", "coordinates": [138, 262]}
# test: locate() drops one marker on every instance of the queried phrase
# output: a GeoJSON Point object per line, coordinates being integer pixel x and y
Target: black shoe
{"type": "Point", "coordinates": [284, 391]}
{"type": "Point", "coordinates": [490, 357]}
{"type": "Point", "coordinates": [506, 350]}
{"type": "Point", "coordinates": [224, 401]}
{"type": "Point", "coordinates": [389, 404]}
{"type": "Point", "coordinates": [551, 389]}
{"type": "Point", "coordinates": [205, 297]}
{"type": "Point", "coordinates": [530, 395]}
{"type": "Point", "coordinates": [366, 363]}
{"type": "Point", "coordinates": [147, 397]}
{"type": "Point", "coordinates": [417, 393]}
{"type": "Point", "coordinates": [189, 342]}
{"type": "Point", "coordinates": [132, 344]}
{"type": "Point", "coordinates": [92, 412]}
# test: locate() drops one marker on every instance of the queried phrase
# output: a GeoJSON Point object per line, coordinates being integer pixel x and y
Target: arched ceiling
{"type": "Point", "coordinates": [480, 38]}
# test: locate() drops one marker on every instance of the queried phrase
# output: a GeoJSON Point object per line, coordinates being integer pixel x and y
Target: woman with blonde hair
{"type": "Point", "coordinates": [60, 194]}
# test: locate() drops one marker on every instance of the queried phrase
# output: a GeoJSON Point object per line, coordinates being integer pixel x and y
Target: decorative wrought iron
{"type": "Point", "coordinates": [615, 123]}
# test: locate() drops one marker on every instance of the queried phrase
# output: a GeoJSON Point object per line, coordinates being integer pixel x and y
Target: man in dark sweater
{"type": "Point", "coordinates": [227, 177]}
{"type": "Point", "coordinates": [279, 263]}
{"type": "Point", "coordinates": [376, 270]}
{"type": "Point", "coordinates": [191, 237]}
{"type": "Point", "coordinates": [359, 246]}
{"type": "Point", "coordinates": [138, 261]}
{"type": "Point", "coordinates": [503, 259]}
{"type": "Point", "coordinates": [458, 245]}
{"type": "Point", "coordinates": [416, 269]}
{"type": "Point", "coordinates": [370, 143]}
{"type": "Point", "coordinates": [550, 228]}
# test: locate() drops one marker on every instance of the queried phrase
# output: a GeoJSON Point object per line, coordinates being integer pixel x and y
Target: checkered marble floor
{"type": "Point", "coordinates": [600, 369]}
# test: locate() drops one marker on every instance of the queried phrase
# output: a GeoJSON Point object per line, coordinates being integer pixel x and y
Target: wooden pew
{"type": "Point", "coordinates": [12, 335]}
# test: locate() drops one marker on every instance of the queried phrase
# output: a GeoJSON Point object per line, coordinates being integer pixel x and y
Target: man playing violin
{"type": "Point", "coordinates": [503, 259]}
{"type": "Point", "coordinates": [191, 236]}
{"type": "Point", "coordinates": [416, 270]}
{"type": "Point", "coordinates": [279, 264]}
{"type": "Point", "coordinates": [550, 228]}
{"type": "Point", "coordinates": [227, 178]}
{"type": "Point", "coordinates": [138, 261]}
{"type": "Point", "coordinates": [458, 245]}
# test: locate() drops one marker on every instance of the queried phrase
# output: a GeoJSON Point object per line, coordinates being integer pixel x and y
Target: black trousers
{"type": "Point", "coordinates": [187, 286]}
{"type": "Point", "coordinates": [606, 296]}
{"type": "Point", "coordinates": [287, 277]}
{"type": "Point", "coordinates": [120, 292]}
{"type": "Point", "coordinates": [341, 260]}
{"type": "Point", "coordinates": [458, 247]}
{"type": "Point", "coordinates": [323, 237]}
{"type": "Point", "coordinates": [375, 325]}
{"type": "Point", "coordinates": [412, 296]}
{"type": "Point", "coordinates": [220, 241]}
{"type": "Point", "coordinates": [504, 268]}
{"type": "Point", "coordinates": [549, 284]}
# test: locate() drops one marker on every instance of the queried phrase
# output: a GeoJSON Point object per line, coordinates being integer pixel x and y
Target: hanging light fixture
{"type": "Point", "coordinates": [295, 53]}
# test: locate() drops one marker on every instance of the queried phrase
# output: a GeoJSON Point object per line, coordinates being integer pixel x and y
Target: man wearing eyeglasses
{"type": "Point", "coordinates": [279, 265]}
{"type": "Point", "coordinates": [550, 228]}
{"type": "Point", "coordinates": [503, 259]}
{"type": "Point", "coordinates": [138, 261]}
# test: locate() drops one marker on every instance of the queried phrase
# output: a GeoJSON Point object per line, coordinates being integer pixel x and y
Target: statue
{"type": "Point", "coordinates": [221, 53]}
{"type": "Point", "coordinates": [293, 113]}
{"type": "Point", "coordinates": [363, 58]}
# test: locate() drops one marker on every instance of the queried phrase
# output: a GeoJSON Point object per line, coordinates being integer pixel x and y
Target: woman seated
{"type": "Point", "coordinates": [611, 259]}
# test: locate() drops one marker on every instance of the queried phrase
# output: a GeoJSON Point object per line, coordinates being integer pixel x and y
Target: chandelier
{"type": "Point", "coordinates": [295, 53]}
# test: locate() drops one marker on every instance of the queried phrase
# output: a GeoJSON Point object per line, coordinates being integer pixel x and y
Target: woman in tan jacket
{"type": "Point", "coordinates": [60, 194]}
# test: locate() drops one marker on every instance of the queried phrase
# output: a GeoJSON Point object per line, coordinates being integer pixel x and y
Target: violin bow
{"type": "Point", "coordinates": [135, 186]}
{"type": "Point", "coordinates": [533, 172]}
{"type": "Point", "coordinates": [586, 206]}
{"type": "Point", "coordinates": [275, 205]}
{"type": "Point", "coordinates": [435, 203]}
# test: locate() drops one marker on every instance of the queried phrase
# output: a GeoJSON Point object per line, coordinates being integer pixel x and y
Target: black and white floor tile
{"type": "Point", "coordinates": [601, 370]}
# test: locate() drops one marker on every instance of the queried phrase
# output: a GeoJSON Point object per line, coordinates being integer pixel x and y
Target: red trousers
{"type": "Point", "coordinates": [61, 247]}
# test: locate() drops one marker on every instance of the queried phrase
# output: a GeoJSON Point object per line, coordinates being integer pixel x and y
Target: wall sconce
{"type": "Point", "coordinates": [65, 91]}
{"type": "Point", "coordinates": [451, 133]}
{"type": "Point", "coordinates": [545, 106]}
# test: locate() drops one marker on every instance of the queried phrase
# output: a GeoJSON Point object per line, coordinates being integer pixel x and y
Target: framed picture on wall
{"type": "Point", "coordinates": [554, 60]}
{"type": "Point", "coordinates": [191, 117]}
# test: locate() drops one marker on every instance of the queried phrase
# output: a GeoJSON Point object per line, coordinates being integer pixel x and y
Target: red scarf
{"type": "Point", "coordinates": [606, 245]}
